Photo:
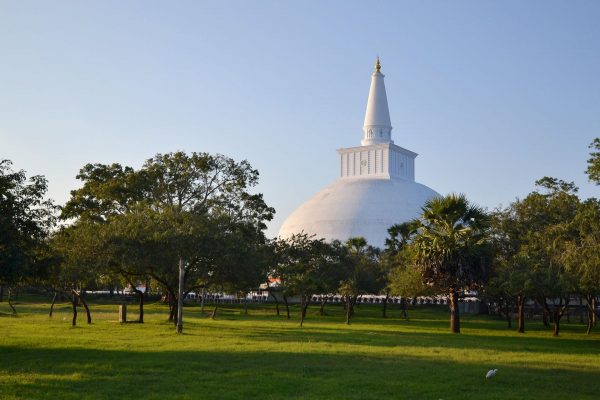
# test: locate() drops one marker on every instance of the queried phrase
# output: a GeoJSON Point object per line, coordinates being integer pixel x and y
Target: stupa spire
{"type": "Point", "coordinates": [377, 127]}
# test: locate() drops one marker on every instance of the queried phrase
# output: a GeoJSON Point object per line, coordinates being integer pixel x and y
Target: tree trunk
{"type": "Point", "coordinates": [545, 312]}
{"type": "Point", "coordinates": [80, 298]}
{"type": "Point", "coordinates": [323, 302]}
{"type": "Point", "coordinates": [287, 306]}
{"type": "Point", "coordinates": [303, 307]}
{"type": "Point", "coordinates": [556, 327]}
{"type": "Point", "coordinates": [594, 315]}
{"type": "Point", "coordinates": [1, 293]}
{"type": "Point", "coordinates": [202, 301]}
{"type": "Point", "coordinates": [591, 314]}
{"type": "Point", "coordinates": [14, 310]}
{"type": "Point", "coordinates": [173, 311]}
{"type": "Point", "coordinates": [142, 295]}
{"type": "Point", "coordinates": [74, 303]}
{"type": "Point", "coordinates": [350, 301]}
{"type": "Point", "coordinates": [558, 313]}
{"type": "Point", "coordinates": [521, 315]}
{"type": "Point", "coordinates": [385, 303]}
{"type": "Point", "coordinates": [214, 312]}
{"type": "Point", "coordinates": [179, 328]}
{"type": "Point", "coordinates": [246, 305]}
{"type": "Point", "coordinates": [171, 300]}
{"type": "Point", "coordinates": [404, 307]}
{"type": "Point", "coordinates": [347, 310]}
{"type": "Point", "coordinates": [52, 305]}
{"type": "Point", "coordinates": [454, 312]}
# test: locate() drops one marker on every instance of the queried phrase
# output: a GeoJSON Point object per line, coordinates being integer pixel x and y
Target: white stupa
{"type": "Point", "coordinates": [376, 187]}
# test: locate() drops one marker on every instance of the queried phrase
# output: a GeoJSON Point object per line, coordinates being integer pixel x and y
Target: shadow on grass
{"type": "Point", "coordinates": [380, 338]}
{"type": "Point", "coordinates": [69, 373]}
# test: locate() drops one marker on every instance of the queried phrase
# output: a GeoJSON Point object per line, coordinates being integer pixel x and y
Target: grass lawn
{"type": "Point", "coordinates": [260, 355]}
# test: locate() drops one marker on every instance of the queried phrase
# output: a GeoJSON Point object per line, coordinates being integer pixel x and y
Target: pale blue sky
{"type": "Point", "coordinates": [492, 95]}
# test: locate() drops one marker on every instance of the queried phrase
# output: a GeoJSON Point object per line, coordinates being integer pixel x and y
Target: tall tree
{"type": "Point", "coordinates": [593, 169]}
{"type": "Point", "coordinates": [582, 255]}
{"type": "Point", "coordinates": [511, 280]}
{"type": "Point", "coordinates": [453, 248]}
{"type": "Point", "coordinates": [304, 264]}
{"type": "Point", "coordinates": [548, 212]}
{"type": "Point", "coordinates": [76, 262]}
{"type": "Point", "coordinates": [362, 273]}
{"type": "Point", "coordinates": [178, 205]}
{"type": "Point", "coordinates": [404, 278]}
{"type": "Point", "coordinates": [26, 219]}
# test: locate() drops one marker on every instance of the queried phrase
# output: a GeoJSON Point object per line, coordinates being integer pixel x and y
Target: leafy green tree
{"type": "Point", "coordinates": [510, 284]}
{"type": "Point", "coordinates": [452, 248]}
{"type": "Point", "coordinates": [75, 264]}
{"type": "Point", "coordinates": [241, 257]}
{"type": "Point", "coordinates": [362, 273]}
{"type": "Point", "coordinates": [582, 255]}
{"type": "Point", "coordinates": [405, 279]}
{"type": "Point", "coordinates": [549, 213]}
{"type": "Point", "coordinates": [403, 276]}
{"type": "Point", "coordinates": [593, 169]}
{"type": "Point", "coordinates": [178, 208]}
{"type": "Point", "coordinates": [304, 266]}
{"type": "Point", "coordinates": [26, 219]}
{"type": "Point", "coordinates": [511, 280]}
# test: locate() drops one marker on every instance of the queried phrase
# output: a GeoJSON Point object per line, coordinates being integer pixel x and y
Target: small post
{"type": "Point", "coordinates": [123, 313]}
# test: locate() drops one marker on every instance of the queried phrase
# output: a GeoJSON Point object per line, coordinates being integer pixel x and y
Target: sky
{"type": "Point", "coordinates": [493, 95]}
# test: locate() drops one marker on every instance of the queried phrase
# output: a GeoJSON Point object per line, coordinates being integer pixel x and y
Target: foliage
{"type": "Point", "coordinates": [405, 277]}
{"type": "Point", "coordinates": [593, 169]}
{"type": "Point", "coordinates": [452, 245]}
{"type": "Point", "coordinates": [547, 216]}
{"type": "Point", "coordinates": [26, 219]}
{"type": "Point", "coordinates": [178, 215]}
{"type": "Point", "coordinates": [452, 248]}
{"type": "Point", "coordinates": [362, 273]}
{"type": "Point", "coordinates": [305, 266]}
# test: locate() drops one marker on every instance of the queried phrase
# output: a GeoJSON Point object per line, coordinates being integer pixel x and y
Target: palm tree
{"type": "Point", "coordinates": [452, 247]}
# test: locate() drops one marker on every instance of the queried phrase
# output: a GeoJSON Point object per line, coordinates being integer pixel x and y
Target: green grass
{"type": "Point", "coordinates": [263, 356]}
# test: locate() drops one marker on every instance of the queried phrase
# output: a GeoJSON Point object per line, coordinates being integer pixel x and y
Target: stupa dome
{"type": "Point", "coordinates": [375, 189]}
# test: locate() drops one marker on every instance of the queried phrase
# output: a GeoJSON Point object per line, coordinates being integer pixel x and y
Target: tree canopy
{"type": "Point", "coordinates": [593, 169]}
{"type": "Point", "coordinates": [177, 219]}
{"type": "Point", "coordinates": [26, 219]}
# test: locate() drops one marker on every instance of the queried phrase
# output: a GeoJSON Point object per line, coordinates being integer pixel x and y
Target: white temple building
{"type": "Point", "coordinates": [376, 186]}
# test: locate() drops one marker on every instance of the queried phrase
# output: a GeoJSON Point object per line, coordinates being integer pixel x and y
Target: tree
{"type": "Point", "coordinates": [452, 248]}
{"type": "Point", "coordinates": [511, 280]}
{"type": "Point", "coordinates": [179, 208]}
{"type": "Point", "coordinates": [362, 273]}
{"type": "Point", "coordinates": [593, 169]}
{"type": "Point", "coordinates": [582, 255]}
{"type": "Point", "coordinates": [548, 214]}
{"type": "Point", "coordinates": [75, 264]}
{"type": "Point", "coordinates": [304, 264]}
{"type": "Point", "coordinates": [241, 257]}
{"type": "Point", "coordinates": [26, 219]}
{"type": "Point", "coordinates": [404, 278]}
